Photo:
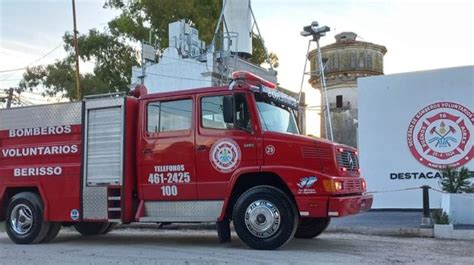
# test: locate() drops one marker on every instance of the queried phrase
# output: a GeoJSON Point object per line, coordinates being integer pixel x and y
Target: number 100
{"type": "Point", "coordinates": [169, 190]}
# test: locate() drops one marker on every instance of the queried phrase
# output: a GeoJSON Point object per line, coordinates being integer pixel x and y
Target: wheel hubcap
{"type": "Point", "coordinates": [262, 218]}
{"type": "Point", "coordinates": [21, 219]}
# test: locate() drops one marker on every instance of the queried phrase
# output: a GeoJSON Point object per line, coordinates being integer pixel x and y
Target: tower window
{"type": "Point", "coordinates": [339, 101]}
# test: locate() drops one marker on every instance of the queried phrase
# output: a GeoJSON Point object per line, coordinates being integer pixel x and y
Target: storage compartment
{"type": "Point", "coordinates": [103, 157]}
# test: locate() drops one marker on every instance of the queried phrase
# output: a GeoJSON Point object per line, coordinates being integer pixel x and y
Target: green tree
{"type": "Point", "coordinates": [112, 59]}
{"type": "Point", "coordinates": [258, 53]}
{"type": "Point", "coordinates": [456, 181]}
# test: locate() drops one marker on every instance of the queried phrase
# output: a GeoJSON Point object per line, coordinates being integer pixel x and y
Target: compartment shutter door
{"type": "Point", "coordinates": [104, 146]}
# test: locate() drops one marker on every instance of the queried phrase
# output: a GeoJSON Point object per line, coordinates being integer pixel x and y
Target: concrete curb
{"type": "Point", "coordinates": [395, 231]}
{"type": "Point", "coordinates": [450, 232]}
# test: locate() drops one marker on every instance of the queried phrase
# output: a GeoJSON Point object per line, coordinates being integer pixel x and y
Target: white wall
{"type": "Point", "coordinates": [173, 73]}
{"type": "Point", "coordinates": [349, 94]}
{"type": "Point", "coordinates": [387, 105]}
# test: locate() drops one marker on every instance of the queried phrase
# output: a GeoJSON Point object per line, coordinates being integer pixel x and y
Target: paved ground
{"type": "Point", "coordinates": [379, 219]}
{"type": "Point", "coordinates": [393, 223]}
{"type": "Point", "coordinates": [201, 247]}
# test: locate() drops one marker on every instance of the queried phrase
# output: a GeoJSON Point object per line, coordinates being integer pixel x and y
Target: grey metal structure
{"type": "Point", "coordinates": [59, 114]}
{"type": "Point", "coordinates": [182, 211]}
{"type": "Point", "coordinates": [94, 201]}
{"type": "Point", "coordinates": [317, 32]}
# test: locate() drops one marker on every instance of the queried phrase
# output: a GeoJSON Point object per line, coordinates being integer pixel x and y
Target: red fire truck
{"type": "Point", "coordinates": [217, 154]}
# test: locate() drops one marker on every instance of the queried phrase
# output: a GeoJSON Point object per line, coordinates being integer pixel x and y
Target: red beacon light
{"type": "Point", "coordinates": [252, 79]}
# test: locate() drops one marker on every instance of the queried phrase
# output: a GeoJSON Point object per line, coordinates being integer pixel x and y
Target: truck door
{"type": "Point", "coordinates": [222, 148]}
{"type": "Point", "coordinates": [166, 166]}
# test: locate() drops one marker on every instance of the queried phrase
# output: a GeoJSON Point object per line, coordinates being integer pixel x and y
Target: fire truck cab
{"type": "Point", "coordinates": [218, 154]}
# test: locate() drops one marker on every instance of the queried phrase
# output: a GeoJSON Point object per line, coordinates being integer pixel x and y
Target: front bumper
{"type": "Point", "coordinates": [343, 206]}
{"type": "Point", "coordinates": [333, 206]}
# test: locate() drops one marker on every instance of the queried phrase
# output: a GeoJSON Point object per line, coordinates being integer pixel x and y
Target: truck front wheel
{"type": "Point", "coordinates": [311, 227]}
{"type": "Point", "coordinates": [265, 218]}
{"type": "Point", "coordinates": [25, 223]}
{"type": "Point", "coordinates": [92, 228]}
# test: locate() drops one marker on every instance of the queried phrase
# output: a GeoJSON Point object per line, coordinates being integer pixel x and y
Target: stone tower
{"type": "Point", "coordinates": [345, 60]}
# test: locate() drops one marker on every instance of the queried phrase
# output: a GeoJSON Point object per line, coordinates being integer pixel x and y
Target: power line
{"type": "Point", "coordinates": [12, 70]}
{"type": "Point", "coordinates": [13, 79]}
{"type": "Point", "coordinates": [181, 60]}
{"type": "Point", "coordinates": [178, 77]}
{"type": "Point", "coordinates": [44, 56]}
{"type": "Point", "coordinates": [35, 61]}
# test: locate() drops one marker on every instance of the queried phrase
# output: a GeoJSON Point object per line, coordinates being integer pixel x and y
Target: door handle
{"type": "Point", "coordinates": [201, 148]}
{"type": "Point", "coordinates": [147, 151]}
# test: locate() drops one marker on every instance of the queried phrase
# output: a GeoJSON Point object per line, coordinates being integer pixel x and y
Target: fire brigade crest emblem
{"type": "Point", "coordinates": [441, 135]}
{"type": "Point", "coordinates": [225, 155]}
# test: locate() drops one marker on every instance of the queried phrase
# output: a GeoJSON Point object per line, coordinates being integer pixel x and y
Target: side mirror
{"type": "Point", "coordinates": [228, 109]}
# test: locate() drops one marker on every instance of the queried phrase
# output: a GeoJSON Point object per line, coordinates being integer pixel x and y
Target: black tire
{"type": "Point", "coordinates": [23, 207]}
{"type": "Point", "coordinates": [269, 200]}
{"type": "Point", "coordinates": [109, 228]}
{"type": "Point", "coordinates": [311, 227]}
{"type": "Point", "coordinates": [52, 232]}
{"type": "Point", "coordinates": [91, 228]}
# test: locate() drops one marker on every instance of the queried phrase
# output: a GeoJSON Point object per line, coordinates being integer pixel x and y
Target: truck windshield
{"type": "Point", "coordinates": [277, 119]}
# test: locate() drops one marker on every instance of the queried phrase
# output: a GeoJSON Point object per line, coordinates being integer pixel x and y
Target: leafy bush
{"type": "Point", "coordinates": [440, 217]}
{"type": "Point", "coordinates": [456, 181]}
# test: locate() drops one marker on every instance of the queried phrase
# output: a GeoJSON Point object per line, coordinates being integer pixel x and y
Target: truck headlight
{"type": "Point", "coordinates": [333, 185]}
{"type": "Point", "coordinates": [364, 185]}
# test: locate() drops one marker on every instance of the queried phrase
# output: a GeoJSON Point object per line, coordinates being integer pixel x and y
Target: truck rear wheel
{"type": "Point", "coordinates": [24, 222]}
{"type": "Point", "coordinates": [311, 227]}
{"type": "Point", "coordinates": [52, 232]}
{"type": "Point", "coordinates": [265, 218]}
{"type": "Point", "coordinates": [109, 228]}
{"type": "Point", "coordinates": [91, 228]}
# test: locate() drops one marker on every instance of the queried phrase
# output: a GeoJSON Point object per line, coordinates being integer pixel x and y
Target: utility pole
{"type": "Point", "coordinates": [148, 55]}
{"type": "Point", "coordinates": [76, 48]}
{"type": "Point", "coordinates": [142, 77]}
{"type": "Point", "coordinates": [9, 97]}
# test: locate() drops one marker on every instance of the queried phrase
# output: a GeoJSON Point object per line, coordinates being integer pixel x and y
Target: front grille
{"type": "Point", "coordinates": [317, 152]}
{"type": "Point", "coordinates": [354, 185]}
{"type": "Point", "coordinates": [348, 159]}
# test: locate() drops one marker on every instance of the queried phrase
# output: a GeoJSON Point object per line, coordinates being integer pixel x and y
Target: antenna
{"type": "Point", "coordinates": [317, 32]}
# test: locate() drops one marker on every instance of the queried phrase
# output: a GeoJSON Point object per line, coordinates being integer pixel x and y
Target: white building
{"type": "Point", "coordinates": [410, 126]}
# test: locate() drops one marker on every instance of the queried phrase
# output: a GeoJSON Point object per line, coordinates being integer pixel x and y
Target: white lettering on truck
{"type": "Point", "coordinates": [169, 174]}
{"type": "Point", "coordinates": [40, 150]}
{"type": "Point", "coordinates": [52, 130]}
{"type": "Point", "coordinates": [37, 171]}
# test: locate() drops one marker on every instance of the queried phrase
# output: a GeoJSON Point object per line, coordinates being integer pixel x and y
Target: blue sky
{"type": "Point", "coordinates": [418, 34]}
